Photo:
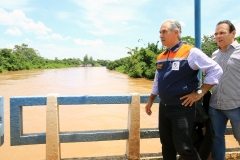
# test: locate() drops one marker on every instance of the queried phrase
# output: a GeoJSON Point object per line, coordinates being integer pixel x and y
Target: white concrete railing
{"type": "Point", "coordinates": [53, 137]}
{"type": "Point", "coordinates": [53, 151]}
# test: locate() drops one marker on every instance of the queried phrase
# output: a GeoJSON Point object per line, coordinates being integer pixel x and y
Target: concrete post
{"type": "Point", "coordinates": [133, 142]}
{"type": "Point", "coordinates": [1, 121]}
{"type": "Point", "coordinates": [53, 150]}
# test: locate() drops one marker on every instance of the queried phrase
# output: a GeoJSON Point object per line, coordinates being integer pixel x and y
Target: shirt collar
{"type": "Point", "coordinates": [174, 48]}
{"type": "Point", "coordinates": [235, 44]}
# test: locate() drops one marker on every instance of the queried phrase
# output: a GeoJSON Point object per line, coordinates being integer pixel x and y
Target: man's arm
{"type": "Point", "coordinates": [194, 96]}
{"type": "Point", "coordinates": [149, 104]}
{"type": "Point", "coordinates": [153, 94]}
{"type": "Point", "coordinates": [200, 61]}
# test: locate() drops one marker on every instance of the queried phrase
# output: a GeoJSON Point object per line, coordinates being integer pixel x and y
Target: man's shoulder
{"type": "Point", "coordinates": [196, 51]}
{"type": "Point", "coordinates": [214, 54]}
{"type": "Point", "coordinates": [185, 48]}
{"type": "Point", "coordinates": [216, 51]}
{"type": "Point", "coordinates": [237, 46]}
{"type": "Point", "coordinates": [188, 46]}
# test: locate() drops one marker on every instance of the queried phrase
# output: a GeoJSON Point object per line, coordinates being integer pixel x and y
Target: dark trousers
{"type": "Point", "coordinates": [175, 129]}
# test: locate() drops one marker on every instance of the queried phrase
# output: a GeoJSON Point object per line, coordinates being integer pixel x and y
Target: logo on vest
{"type": "Point", "coordinates": [175, 65]}
{"type": "Point", "coordinates": [159, 66]}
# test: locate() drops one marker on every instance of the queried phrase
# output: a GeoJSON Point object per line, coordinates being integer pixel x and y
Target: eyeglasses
{"type": "Point", "coordinates": [220, 33]}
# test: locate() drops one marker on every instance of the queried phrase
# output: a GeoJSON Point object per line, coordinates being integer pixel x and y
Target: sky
{"type": "Point", "coordinates": [102, 29]}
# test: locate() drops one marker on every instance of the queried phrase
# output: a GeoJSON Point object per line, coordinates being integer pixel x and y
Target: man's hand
{"type": "Point", "coordinates": [148, 108]}
{"type": "Point", "coordinates": [191, 98]}
{"type": "Point", "coordinates": [149, 104]}
{"type": "Point", "coordinates": [194, 96]}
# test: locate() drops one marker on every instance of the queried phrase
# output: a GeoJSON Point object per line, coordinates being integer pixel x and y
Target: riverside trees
{"type": "Point", "coordinates": [25, 58]}
{"type": "Point", "coordinates": [21, 57]}
{"type": "Point", "coordinates": [141, 62]}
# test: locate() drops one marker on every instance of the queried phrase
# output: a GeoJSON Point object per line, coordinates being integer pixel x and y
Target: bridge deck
{"type": "Point", "coordinates": [232, 154]}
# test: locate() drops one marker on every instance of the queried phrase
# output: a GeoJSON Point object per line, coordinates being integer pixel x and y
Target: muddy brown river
{"type": "Point", "coordinates": [76, 81]}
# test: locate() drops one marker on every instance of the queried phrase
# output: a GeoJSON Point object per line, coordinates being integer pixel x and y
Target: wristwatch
{"type": "Point", "coordinates": [199, 91]}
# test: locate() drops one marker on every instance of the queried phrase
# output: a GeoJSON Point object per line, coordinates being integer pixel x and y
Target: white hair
{"type": "Point", "coordinates": [174, 25]}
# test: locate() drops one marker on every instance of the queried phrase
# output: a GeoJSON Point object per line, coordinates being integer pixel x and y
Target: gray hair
{"type": "Point", "coordinates": [174, 25]}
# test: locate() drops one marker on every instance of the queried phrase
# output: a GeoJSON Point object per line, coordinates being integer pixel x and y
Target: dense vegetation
{"type": "Point", "coordinates": [25, 58]}
{"type": "Point", "coordinates": [141, 62]}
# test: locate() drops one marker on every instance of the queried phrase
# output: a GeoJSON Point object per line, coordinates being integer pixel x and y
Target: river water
{"type": "Point", "coordinates": [76, 81]}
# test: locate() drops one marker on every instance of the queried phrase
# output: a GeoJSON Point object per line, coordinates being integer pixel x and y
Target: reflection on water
{"type": "Point", "coordinates": [75, 81]}
{"type": "Point", "coordinates": [19, 75]}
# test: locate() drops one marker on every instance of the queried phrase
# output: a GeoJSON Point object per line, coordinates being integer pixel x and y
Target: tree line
{"type": "Point", "coordinates": [21, 57]}
{"type": "Point", "coordinates": [141, 62]}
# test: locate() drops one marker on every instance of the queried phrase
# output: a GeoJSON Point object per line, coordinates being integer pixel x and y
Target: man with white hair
{"type": "Point", "coordinates": [176, 82]}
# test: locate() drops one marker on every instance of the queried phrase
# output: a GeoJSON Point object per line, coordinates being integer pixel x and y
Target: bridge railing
{"type": "Point", "coordinates": [52, 138]}
{"type": "Point", "coordinates": [1, 121]}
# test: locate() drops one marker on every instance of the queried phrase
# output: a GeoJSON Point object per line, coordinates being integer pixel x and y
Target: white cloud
{"type": "Point", "coordinates": [103, 31]}
{"type": "Point", "coordinates": [17, 18]}
{"type": "Point", "coordinates": [63, 15]}
{"type": "Point", "coordinates": [27, 40]}
{"type": "Point", "coordinates": [237, 26]}
{"type": "Point", "coordinates": [105, 17]}
{"type": "Point", "coordinates": [10, 46]}
{"type": "Point", "coordinates": [54, 37]}
{"type": "Point", "coordinates": [51, 51]}
{"type": "Point", "coordinates": [13, 4]}
{"type": "Point", "coordinates": [124, 22]}
{"type": "Point", "coordinates": [14, 32]}
{"type": "Point", "coordinates": [88, 42]}
{"type": "Point", "coordinates": [182, 9]}
{"type": "Point", "coordinates": [20, 23]}
{"type": "Point", "coordinates": [182, 23]}
{"type": "Point", "coordinates": [37, 28]}
{"type": "Point", "coordinates": [209, 8]}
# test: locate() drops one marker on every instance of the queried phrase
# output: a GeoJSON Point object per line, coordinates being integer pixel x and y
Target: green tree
{"type": "Point", "coordinates": [209, 45]}
{"type": "Point", "coordinates": [21, 57]}
{"type": "Point", "coordinates": [91, 61]}
{"type": "Point", "coordinates": [188, 40]}
{"type": "Point", "coordinates": [85, 60]}
{"type": "Point", "coordinates": [237, 39]}
{"type": "Point", "coordinates": [102, 62]}
{"type": "Point", "coordinates": [25, 52]}
{"type": "Point", "coordinates": [140, 62]}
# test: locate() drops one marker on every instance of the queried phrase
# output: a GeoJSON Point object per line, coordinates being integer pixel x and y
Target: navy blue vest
{"type": "Point", "coordinates": [175, 77]}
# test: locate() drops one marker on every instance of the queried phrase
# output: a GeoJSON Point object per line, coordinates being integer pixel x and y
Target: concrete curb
{"type": "Point", "coordinates": [154, 156]}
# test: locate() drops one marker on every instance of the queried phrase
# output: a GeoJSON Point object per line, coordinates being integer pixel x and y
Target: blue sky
{"type": "Point", "coordinates": [103, 29]}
